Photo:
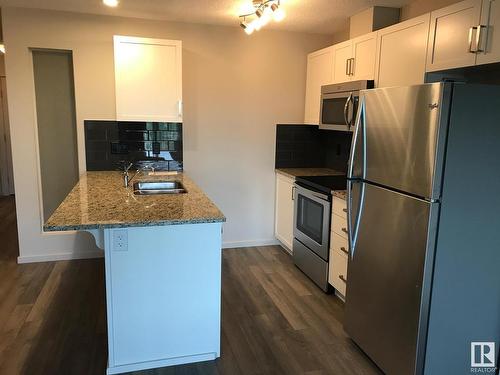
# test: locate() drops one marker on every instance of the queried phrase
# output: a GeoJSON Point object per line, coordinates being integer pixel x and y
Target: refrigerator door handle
{"type": "Point", "coordinates": [353, 227]}
{"type": "Point", "coordinates": [360, 123]}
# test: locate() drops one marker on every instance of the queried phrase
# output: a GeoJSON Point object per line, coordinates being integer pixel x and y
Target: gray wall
{"type": "Point", "coordinates": [56, 121]}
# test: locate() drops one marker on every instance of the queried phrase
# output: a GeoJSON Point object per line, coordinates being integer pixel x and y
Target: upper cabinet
{"type": "Point", "coordinates": [461, 35]}
{"type": "Point", "coordinates": [489, 46]}
{"type": "Point", "coordinates": [148, 79]}
{"type": "Point", "coordinates": [355, 59]}
{"type": "Point", "coordinates": [342, 61]}
{"type": "Point", "coordinates": [319, 73]}
{"type": "Point", "coordinates": [402, 52]}
{"type": "Point", "coordinates": [364, 50]}
{"type": "Point", "coordinates": [454, 35]}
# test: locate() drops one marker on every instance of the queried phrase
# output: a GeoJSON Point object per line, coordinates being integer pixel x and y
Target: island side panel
{"type": "Point", "coordinates": [163, 291]}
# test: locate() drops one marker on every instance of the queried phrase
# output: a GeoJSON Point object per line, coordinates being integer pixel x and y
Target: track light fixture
{"type": "Point", "coordinates": [264, 11]}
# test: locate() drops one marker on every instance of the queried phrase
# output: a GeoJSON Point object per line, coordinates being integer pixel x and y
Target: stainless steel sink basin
{"type": "Point", "coordinates": [158, 187]}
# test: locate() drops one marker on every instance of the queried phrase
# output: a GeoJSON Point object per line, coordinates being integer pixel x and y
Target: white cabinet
{"type": "Point", "coordinates": [148, 79]}
{"type": "Point", "coordinates": [453, 36]}
{"type": "Point", "coordinates": [284, 210]}
{"type": "Point", "coordinates": [319, 73]}
{"type": "Point", "coordinates": [337, 273]}
{"type": "Point", "coordinates": [401, 53]}
{"type": "Point", "coordinates": [364, 52]}
{"type": "Point", "coordinates": [490, 33]}
{"type": "Point", "coordinates": [337, 266]}
{"type": "Point", "coordinates": [355, 59]}
{"type": "Point", "coordinates": [342, 61]}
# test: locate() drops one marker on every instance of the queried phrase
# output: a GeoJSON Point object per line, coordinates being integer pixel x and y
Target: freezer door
{"type": "Point", "coordinates": [400, 136]}
{"type": "Point", "coordinates": [387, 288]}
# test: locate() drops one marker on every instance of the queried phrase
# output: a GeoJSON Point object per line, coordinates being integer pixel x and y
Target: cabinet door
{"type": "Point", "coordinates": [337, 271]}
{"type": "Point", "coordinates": [364, 52]}
{"type": "Point", "coordinates": [401, 53]}
{"type": "Point", "coordinates": [284, 210]}
{"type": "Point", "coordinates": [489, 41]}
{"type": "Point", "coordinates": [452, 36]}
{"type": "Point", "coordinates": [343, 52]}
{"type": "Point", "coordinates": [319, 73]}
{"type": "Point", "coordinates": [148, 79]}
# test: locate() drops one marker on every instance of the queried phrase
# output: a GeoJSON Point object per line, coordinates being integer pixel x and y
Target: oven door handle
{"type": "Point", "coordinates": [310, 193]}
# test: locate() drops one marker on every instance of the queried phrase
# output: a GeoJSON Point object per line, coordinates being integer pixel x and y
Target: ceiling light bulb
{"type": "Point", "coordinates": [257, 24]}
{"type": "Point", "coordinates": [266, 15]}
{"type": "Point", "coordinates": [278, 13]}
{"type": "Point", "coordinates": [110, 3]}
{"type": "Point", "coordinates": [248, 27]}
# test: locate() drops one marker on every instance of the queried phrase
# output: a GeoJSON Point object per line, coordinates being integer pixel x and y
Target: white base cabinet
{"type": "Point", "coordinates": [337, 266]}
{"type": "Point", "coordinates": [284, 210]}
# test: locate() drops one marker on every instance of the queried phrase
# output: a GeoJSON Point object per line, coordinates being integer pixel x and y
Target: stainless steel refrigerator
{"type": "Point", "coordinates": [424, 226]}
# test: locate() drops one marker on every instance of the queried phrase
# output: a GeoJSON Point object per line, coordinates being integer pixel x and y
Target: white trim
{"type": "Point", "coordinates": [162, 363]}
{"type": "Point", "coordinates": [249, 243]}
{"type": "Point", "coordinates": [99, 253]}
{"type": "Point", "coordinates": [60, 256]}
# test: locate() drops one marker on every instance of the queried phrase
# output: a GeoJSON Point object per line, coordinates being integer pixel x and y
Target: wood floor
{"type": "Point", "coordinates": [274, 320]}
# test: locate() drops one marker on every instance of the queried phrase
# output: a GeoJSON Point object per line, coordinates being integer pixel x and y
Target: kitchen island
{"type": "Point", "coordinates": [162, 264]}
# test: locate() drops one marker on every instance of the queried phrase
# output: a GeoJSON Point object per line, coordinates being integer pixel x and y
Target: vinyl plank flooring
{"type": "Point", "coordinates": [274, 319]}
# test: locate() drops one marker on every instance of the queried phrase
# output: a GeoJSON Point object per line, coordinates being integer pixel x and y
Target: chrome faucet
{"type": "Point", "coordinates": [127, 179]}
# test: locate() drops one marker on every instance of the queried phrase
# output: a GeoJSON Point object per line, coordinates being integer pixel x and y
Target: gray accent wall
{"type": "Point", "coordinates": [56, 122]}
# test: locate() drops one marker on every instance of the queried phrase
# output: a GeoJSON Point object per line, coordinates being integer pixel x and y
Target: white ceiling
{"type": "Point", "coordinates": [315, 16]}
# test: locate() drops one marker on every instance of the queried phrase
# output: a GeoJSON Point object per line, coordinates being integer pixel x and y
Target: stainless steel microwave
{"type": "Point", "coordinates": [339, 104]}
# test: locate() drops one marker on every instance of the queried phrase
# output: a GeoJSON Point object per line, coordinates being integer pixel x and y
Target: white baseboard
{"type": "Point", "coordinates": [61, 256]}
{"type": "Point", "coordinates": [162, 363]}
{"type": "Point", "coordinates": [249, 243]}
{"type": "Point", "coordinates": [100, 253]}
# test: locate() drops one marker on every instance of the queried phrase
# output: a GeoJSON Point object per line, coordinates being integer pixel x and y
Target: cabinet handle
{"type": "Point", "coordinates": [351, 67]}
{"type": "Point", "coordinates": [344, 250]}
{"type": "Point", "coordinates": [478, 38]}
{"type": "Point", "coordinates": [345, 230]}
{"type": "Point", "coordinates": [342, 277]}
{"type": "Point", "coordinates": [347, 67]}
{"type": "Point", "coordinates": [293, 193]}
{"type": "Point", "coordinates": [345, 210]}
{"type": "Point", "coordinates": [471, 31]}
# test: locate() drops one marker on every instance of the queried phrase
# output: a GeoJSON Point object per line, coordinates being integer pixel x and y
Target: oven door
{"type": "Point", "coordinates": [312, 220]}
{"type": "Point", "coordinates": [338, 111]}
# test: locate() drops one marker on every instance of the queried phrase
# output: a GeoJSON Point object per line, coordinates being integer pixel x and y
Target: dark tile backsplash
{"type": "Point", "coordinates": [110, 144]}
{"type": "Point", "coordinates": [303, 146]}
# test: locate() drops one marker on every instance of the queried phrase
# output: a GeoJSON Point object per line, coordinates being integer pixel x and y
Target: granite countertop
{"type": "Point", "coordinates": [342, 194]}
{"type": "Point", "coordinates": [296, 172]}
{"type": "Point", "coordinates": [99, 200]}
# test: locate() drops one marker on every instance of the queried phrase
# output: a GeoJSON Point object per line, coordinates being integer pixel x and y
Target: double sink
{"type": "Point", "coordinates": [158, 187]}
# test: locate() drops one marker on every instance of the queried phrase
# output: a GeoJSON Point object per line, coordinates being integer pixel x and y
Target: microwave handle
{"type": "Point", "coordinates": [348, 122]}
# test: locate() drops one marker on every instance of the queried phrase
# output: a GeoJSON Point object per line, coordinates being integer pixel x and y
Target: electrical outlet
{"type": "Point", "coordinates": [120, 240]}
